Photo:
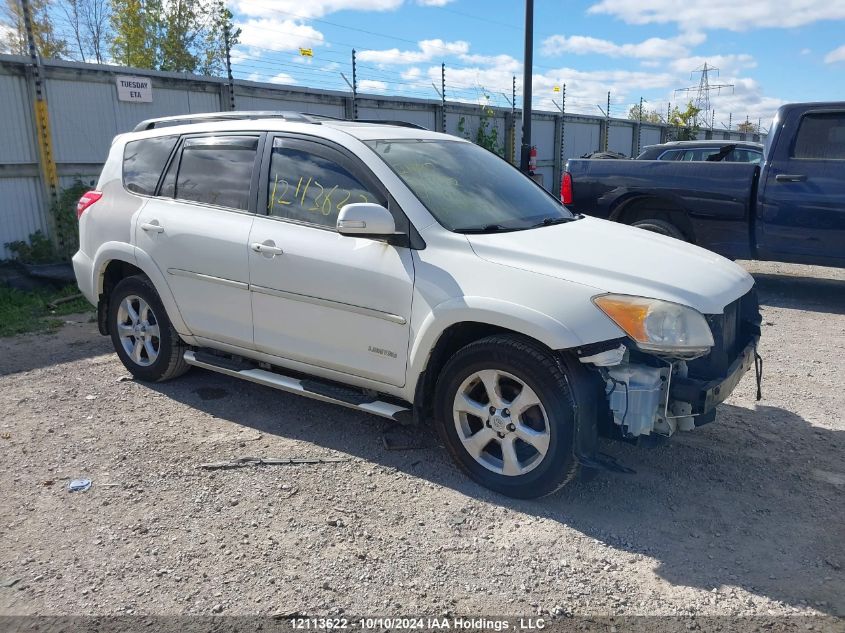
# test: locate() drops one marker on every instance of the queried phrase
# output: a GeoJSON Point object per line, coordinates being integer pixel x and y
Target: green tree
{"type": "Point", "coordinates": [182, 30]}
{"type": "Point", "coordinates": [685, 122]}
{"type": "Point", "coordinates": [137, 26]}
{"type": "Point", "coordinates": [649, 116]}
{"type": "Point", "coordinates": [48, 43]}
{"type": "Point", "coordinates": [173, 35]}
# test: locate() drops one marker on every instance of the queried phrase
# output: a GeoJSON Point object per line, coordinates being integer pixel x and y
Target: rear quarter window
{"type": "Point", "coordinates": [143, 162]}
{"type": "Point", "coordinates": [821, 136]}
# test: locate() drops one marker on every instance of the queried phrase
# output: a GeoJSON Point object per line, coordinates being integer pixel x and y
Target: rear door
{"type": "Point", "coordinates": [802, 202]}
{"type": "Point", "coordinates": [329, 300]}
{"type": "Point", "coordinates": [196, 231]}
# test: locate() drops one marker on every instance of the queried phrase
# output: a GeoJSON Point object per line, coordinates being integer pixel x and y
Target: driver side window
{"type": "Point", "coordinates": [309, 187]}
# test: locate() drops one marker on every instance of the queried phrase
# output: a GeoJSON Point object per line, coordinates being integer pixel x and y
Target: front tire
{"type": "Point", "coordinates": [505, 412]}
{"type": "Point", "coordinates": [143, 337]}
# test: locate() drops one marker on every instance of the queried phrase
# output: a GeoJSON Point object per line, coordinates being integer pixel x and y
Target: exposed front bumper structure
{"type": "Point", "coordinates": [702, 395]}
{"type": "Point", "coordinates": [652, 395]}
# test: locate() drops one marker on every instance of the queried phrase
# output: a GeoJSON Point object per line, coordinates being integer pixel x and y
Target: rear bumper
{"type": "Point", "coordinates": [83, 268]}
{"type": "Point", "coordinates": [704, 395]}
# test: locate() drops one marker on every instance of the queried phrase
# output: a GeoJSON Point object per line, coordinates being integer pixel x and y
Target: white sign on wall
{"type": "Point", "coordinates": [137, 89]}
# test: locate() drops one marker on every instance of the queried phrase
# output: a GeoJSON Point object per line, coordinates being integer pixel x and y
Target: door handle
{"type": "Point", "coordinates": [268, 248]}
{"type": "Point", "coordinates": [790, 177]}
{"type": "Point", "coordinates": [152, 227]}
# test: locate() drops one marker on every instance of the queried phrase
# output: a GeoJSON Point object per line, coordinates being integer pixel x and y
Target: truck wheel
{"type": "Point", "coordinates": [504, 410]}
{"type": "Point", "coordinates": [142, 335]}
{"type": "Point", "coordinates": [662, 227]}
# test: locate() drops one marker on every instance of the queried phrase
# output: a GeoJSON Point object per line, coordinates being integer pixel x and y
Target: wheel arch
{"type": "Point", "coordinates": [457, 323]}
{"type": "Point", "coordinates": [644, 207]}
{"type": "Point", "coordinates": [115, 261]}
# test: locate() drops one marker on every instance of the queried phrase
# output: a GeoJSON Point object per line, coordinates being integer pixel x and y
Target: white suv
{"type": "Point", "coordinates": [412, 275]}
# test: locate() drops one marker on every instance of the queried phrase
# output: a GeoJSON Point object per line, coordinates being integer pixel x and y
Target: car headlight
{"type": "Point", "coordinates": [658, 326]}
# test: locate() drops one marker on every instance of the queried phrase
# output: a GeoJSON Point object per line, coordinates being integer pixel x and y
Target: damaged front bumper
{"type": "Point", "coordinates": [702, 396]}
{"type": "Point", "coordinates": [653, 396]}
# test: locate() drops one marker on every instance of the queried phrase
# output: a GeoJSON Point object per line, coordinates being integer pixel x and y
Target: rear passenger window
{"type": "Point", "coordinates": [821, 136]}
{"type": "Point", "coordinates": [143, 161]}
{"type": "Point", "coordinates": [214, 170]}
{"type": "Point", "coordinates": [308, 187]}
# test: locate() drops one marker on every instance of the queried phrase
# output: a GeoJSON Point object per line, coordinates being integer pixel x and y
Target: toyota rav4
{"type": "Point", "coordinates": [412, 275]}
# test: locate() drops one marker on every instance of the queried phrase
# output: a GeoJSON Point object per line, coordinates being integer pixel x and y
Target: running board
{"type": "Point", "coordinates": [309, 388]}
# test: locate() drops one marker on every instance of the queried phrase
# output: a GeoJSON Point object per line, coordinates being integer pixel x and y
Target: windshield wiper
{"type": "Point", "coordinates": [553, 221]}
{"type": "Point", "coordinates": [487, 228]}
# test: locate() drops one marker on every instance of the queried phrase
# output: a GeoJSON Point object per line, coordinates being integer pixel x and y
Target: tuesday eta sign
{"type": "Point", "coordinates": [137, 89]}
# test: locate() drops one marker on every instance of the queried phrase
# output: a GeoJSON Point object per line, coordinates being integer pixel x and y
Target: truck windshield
{"type": "Point", "coordinates": [469, 189]}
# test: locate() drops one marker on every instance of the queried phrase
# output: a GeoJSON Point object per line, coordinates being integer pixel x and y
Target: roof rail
{"type": "Point", "coordinates": [151, 124]}
{"type": "Point", "coordinates": [395, 122]}
{"type": "Point", "coordinates": [298, 117]}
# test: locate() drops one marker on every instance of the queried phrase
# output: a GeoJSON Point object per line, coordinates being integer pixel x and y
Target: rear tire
{"type": "Point", "coordinates": [663, 227]}
{"type": "Point", "coordinates": [143, 337]}
{"type": "Point", "coordinates": [505, 412]}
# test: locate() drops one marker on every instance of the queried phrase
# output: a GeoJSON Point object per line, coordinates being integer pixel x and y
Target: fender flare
{"type": "Point", "coordinates": [111, 251]}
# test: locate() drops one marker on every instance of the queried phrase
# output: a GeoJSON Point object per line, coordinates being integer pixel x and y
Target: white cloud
{"type": "Point", "coordinates": [806, 51]}
{"type": "Point", "coordinates": [371, 85]}
{"type": "Point", "coordinates": [411, 74]}
{"type": "Point", "coordinates": [428, 50]}
{"type": "Point", "coordinates": [278, 35]}
{"type": "Point", "coordinates": [434, 3]}
{"type": "Point", "coordinates": [294, 9]}
{"type": "Point", "coordinates": [723, 14]}
{"type": "Point", "coordinates": [836, 55]}
{"type": "Point", "coordinates": [6, 32]}
{"type": "Point", "coordinates": [655, 47]}
{"type": "Point", "coordinates": [725, 64]}
{"type": "Point", "coordinates": [281, 78]}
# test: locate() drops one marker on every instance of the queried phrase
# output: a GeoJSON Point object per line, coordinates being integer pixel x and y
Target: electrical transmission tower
{"type": "Point", "coordinates": [702, 91]}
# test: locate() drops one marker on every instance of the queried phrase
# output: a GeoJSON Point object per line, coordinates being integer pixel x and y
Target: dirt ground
{"type": "Point", "coordinates": [745, 516]}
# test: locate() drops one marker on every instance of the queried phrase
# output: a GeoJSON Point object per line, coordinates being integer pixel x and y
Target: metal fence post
{"type": "Point", "coordinates": [558, 152]}
{"type": "Point", "coordinates": [47, 162]}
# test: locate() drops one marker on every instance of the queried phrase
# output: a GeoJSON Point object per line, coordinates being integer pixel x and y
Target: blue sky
{"type": "Point", "coordinates": [771, 51]}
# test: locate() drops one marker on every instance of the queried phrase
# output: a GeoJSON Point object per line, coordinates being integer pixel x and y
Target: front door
{"type": "Point", "coordinates": [197, 233]}
{"type": "Point", "coordinates": [318, 297]}
{"type": "Point", "coordinates": [802, 206]}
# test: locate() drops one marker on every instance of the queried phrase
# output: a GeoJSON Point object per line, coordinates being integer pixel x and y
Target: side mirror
{"type": "Point", "coordinates": [365, 219]}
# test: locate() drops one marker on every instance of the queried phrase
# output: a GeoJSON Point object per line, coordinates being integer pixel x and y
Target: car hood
{"type": "Point", "coordinates": [612, 257]}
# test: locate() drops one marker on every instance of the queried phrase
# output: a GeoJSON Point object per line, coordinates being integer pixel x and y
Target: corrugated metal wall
{"type": "Point", "coordinates": [85, 115]}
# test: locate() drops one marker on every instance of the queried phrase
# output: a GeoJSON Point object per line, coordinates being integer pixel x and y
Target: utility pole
{"type": "Point", "coordinates": [230, 78]}
{"type": "Point", "coordinates": [703, 89]}
{"type": "Point", "coordinates": [527, 77]}
{"type": "Point", "coordinates": [354, 87]}
{"type": "Point", "coordinates": [607, 123]}
{"type": "Point", "coordinates": [47, 162]}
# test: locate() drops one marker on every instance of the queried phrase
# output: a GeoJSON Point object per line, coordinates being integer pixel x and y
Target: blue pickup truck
{"type": "Point", "coordinates": [789, 209]}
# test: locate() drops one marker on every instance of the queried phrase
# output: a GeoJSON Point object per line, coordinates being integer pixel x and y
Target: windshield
{"type": "Point", "coordinates": [469, 189]}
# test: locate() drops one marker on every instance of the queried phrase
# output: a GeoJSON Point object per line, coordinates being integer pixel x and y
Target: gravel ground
{"type": "Point", "coordinates": [742, 517]}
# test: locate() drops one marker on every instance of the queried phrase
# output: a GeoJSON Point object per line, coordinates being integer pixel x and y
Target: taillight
{"type": "Point", "coordinates": [566, 188]}
{"type": "Point", "coordinates": [86, 201]}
